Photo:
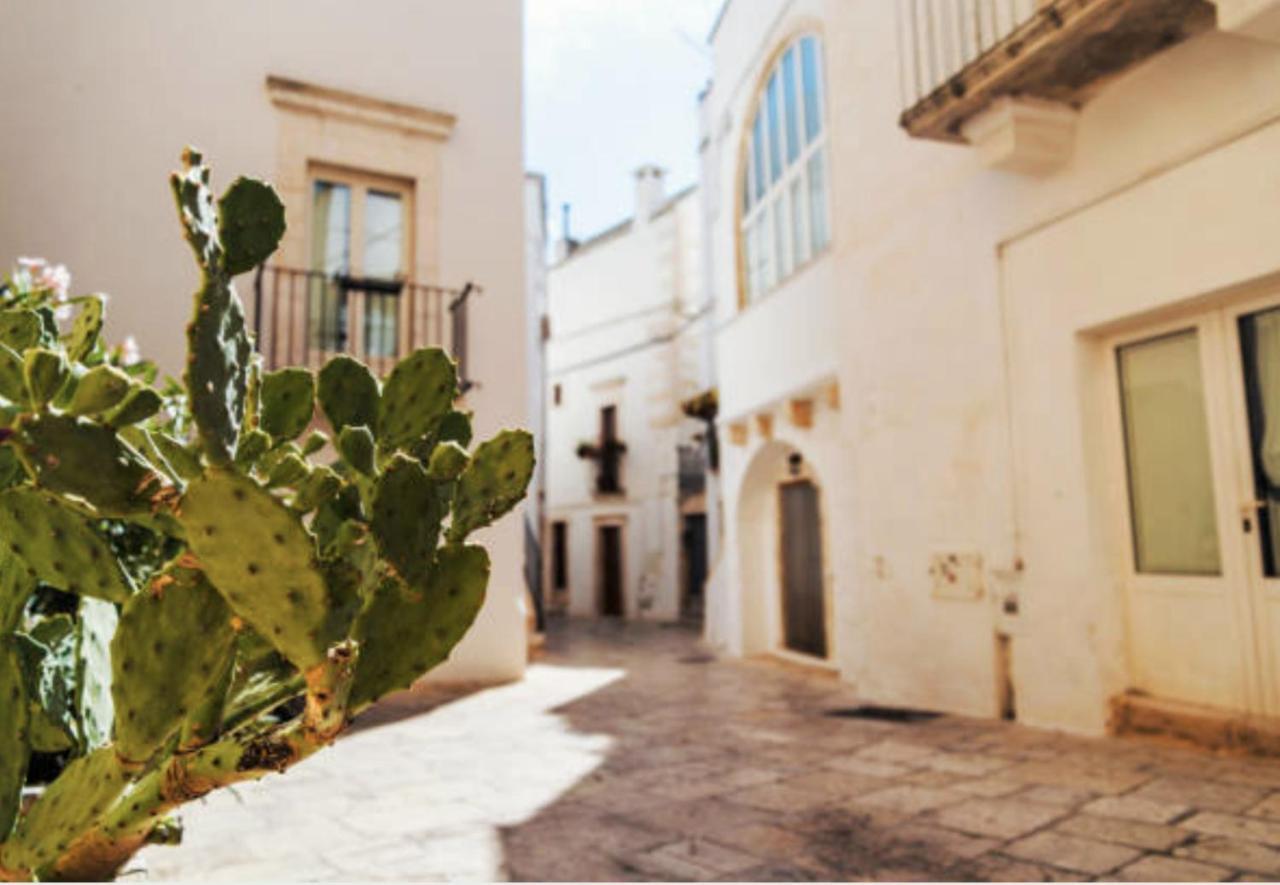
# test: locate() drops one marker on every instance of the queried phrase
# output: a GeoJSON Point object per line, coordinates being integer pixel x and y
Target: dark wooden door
{"type": "Point", "coordinates": [695, 557]}
{"type": "Point", "coordinates": [611, 603]}
{"type": "Point", "coordinates": [803, 603]}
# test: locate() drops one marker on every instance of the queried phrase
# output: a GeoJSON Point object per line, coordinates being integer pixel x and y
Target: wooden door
{"type": "Point", "coordinates": [803, 591]}
{"type": "Point", "coordinates": [611, 599]}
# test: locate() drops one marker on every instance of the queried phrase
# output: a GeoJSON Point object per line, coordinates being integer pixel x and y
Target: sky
{"type": "Point", "coordinates": [611, 85]}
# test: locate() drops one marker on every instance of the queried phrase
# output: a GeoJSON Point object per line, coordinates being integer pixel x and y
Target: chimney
{"type": "Point", "coordinates": [651, 191]}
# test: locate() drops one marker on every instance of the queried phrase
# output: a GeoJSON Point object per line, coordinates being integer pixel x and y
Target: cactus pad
{"type": "Point", "coordinates": [81, 793]}
{"type": "Point", "coordinates": [13, 735]}
{"type": "Point", "coordinates": [60, 545]}
{"type": "Point", "coordinates": [83, 337]}
{"type": "Point", "coordinates": [184, 462]}
{"type": "Point", "coordinates": [101, 388]}
{"type": "Point", "coordinates": [406, 518]}
{"type": "Point", "coordinates": [403, 632]}
{"type": "Point", "coordinates": [348, 393]}
{"type": "Point", "coordinates": [20, 329]}
{"type": "Point", "coordinates": [251, 223]}
{"type": "Point", "coordinates": [167, 653]}
{"type": "Point", "coordinates": [16, 586]}
{"type": "Point", "coordinates": [493, 482]}
{"type": "Point", "coordinates": [355, 444]}
{"type": "Point", "coordinates": [260, 558]}
{"type": "Point", "coordinates": [78, 457]}
{"type": "Point", "coordinates": [320, 485]}
{"type": "Point", "coordinates": [13, 384]}
{"type": "Point", "coordinates": [448, 460]}
{"type": "Point", "coordinates": [45, 371]}
{"type": "Point", "coordinates": [288, 402]}
{"type": "Point", "coordinates": [419, 392]}
{"type": "Point", "coordinates": [141, 403]}
{"type": "Point", "coordinates": [93, 671]}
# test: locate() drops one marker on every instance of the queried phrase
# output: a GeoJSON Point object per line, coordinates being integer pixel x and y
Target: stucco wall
{"type": "Point", "coordinates": [100, 100]}
{"type": "Point", "coordinates": [965, 306]}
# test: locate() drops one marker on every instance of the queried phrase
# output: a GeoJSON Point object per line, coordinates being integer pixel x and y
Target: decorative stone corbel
{"type": "Point", "coordinates": [1024, 135]}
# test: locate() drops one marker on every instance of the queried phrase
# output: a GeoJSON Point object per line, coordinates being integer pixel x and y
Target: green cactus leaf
{"type": "Point", "coordinates": [288, 402]}
{"type": "Point", "coordinates": [13, 382]}
{"type": "Point", "coordinates": [48, 325]}
{"type": "Point", "coordinates": [196, 209]}
{"type": "Point", "coordinates": [406, 518]}
{"type": "Point", "coordinates": [251, 224]}
{"type": "Point", "coordinates": [16, 586]}
{"type": "Point", "coordinates": [332, 515]}
{"type": "Point", "coordinates": [288, 471]}
{"type": "Point", "coordinates": [80, 794]}
{"type": "Point", "coordinates": [97, 620]}
{"type": "Point", "coordinates": [141, 403]}
{"type": "Point", "coordinates": [83, 337]}
{"type": "Point", "coordinates": [253, 445]}
{"type": "Point", "coordinates": [403, 632]}
{"type": "Point", "coordinates": [315, 441]}
{"type": "Point", "coordinates": [75, 456]}
{"type": "Point", "coordinates": [14, 727]}
{"type": "Point", "coordinates": [45, 372]}
{"type": "Point", "coordinates": [101, 388]}
{"type": "Point", "coordinates": [355, 444]}
{"type": "Point", "coordinates": [348, 393]}
{"type": "Point", "coordinates": [48, 657]}
{"type": "Point", "coordinates": [261, 559]}
{"type": "Point", "coordinates": [60, 545]}
{"type": "Point", "coordinates": [20, 329]}
{"type": "Point", "coordinates": [320, 485]}
{"type": "Point", "coordinates": [493, 483]}
{"type": "Point", "coordinates": [183, 461]}
{"type": "Point", "coordinates": [455, 427]}
{"type": "Point", "coordinates": [419, 392]}
{"type": "Point", "coordinates": [168, 651]}
{"type": "Point", "coordinates": [447, 462]}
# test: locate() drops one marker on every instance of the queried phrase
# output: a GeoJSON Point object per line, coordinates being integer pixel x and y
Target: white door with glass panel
{"type": "Point", "coordinates": [360, 258]}
{"type": "Point", "coordinates": [1199, 414]}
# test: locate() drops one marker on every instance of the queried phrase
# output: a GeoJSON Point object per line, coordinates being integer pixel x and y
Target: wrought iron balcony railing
{"type": "Point", "coordinates": [303, 317]}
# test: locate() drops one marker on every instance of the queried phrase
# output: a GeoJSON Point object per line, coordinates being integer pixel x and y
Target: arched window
{"type": "Point", "coordinates": [784, 188]}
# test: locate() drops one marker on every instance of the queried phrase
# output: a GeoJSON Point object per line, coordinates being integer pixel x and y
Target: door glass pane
{"type": "Point", "coordinates": [792, 110]}
{"type": "Point", "coordinates": [780, 235]}
{"type": "Point", "coordinates": [1260, 352]}
{"type": "Point", "coordinates": [812, 99]}
{"type": "Point", "coordinates": [757, 153]}
{"type": "Point", "coordinates": [1175, 528]}
{"type": "Point", "coordinates": [383, 236]}
{"type": "Point", "coordinates": [330, 255]}
{"type": "Point", "coordinates": [775, 131]}
{"type": "Point", "coordinates": [799, 243]}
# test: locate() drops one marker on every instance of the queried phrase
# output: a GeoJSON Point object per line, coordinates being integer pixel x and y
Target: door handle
{"type": "Point", "coordinates": [1248, 510]}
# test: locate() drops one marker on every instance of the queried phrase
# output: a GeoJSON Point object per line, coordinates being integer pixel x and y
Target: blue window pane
{"type": "Point", "coordinates": [817, 203]}
{"type": "Point", "coordinates": [775, 133]}
{"type": "Point", "coordinates": [790, 108]}
{"type": "Point", "coordinates": [757, 149]}
{"type": "Point", "coordinates": [812, 99]}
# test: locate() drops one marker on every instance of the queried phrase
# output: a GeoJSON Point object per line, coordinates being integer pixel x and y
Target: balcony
{"type": "Point", "coordinates": [303, 317]}
{"type": "Point", "coordinates": [1004, 72]}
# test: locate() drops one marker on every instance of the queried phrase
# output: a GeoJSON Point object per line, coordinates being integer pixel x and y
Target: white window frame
{"type": "Point", "coordinates": [767, 259]}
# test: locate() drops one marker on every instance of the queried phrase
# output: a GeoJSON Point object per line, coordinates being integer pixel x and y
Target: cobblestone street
{"type": "Point", "coordinates": [629, 753]}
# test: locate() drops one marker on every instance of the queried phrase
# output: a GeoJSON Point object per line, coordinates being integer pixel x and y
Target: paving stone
{"type": "Point", "coordinates": [778, 797]}
{"type": "Point", "coordinates": [972, 764]}
{"type": "Point", "coordinates": [990, 788]}
{"type": "Point", "coordinates": [870, 767]}
{"type": "Point", "coordinates": [1203, 794]}
{"type": "Point", "coordinates": [765, 840]}
{"type": "Point", "coordinates": [695, 859]}
{"type": "Point", "coordinates": [1154, 837]}
{"type": "Point", "coordinates": [1072, 853]}
{"type": "Point", "coordinates": [1059, 772]}
{"type": "Point", "coordinates": [911, 755]}
{"type": "Point", "coordinates": [997, 868]}
{"type": "Point", "coordinates": [1154, 868]}
{"type": "Point", "coordinates": [1237, 853]}
{"type": "Point", "coordinates": [1218, 824]}
{"type": "Point", "coordinates": [1056, 795]}
{"type": "Point", "coordinates": [1135, 808]}
{"type": "Point", "coordinates": [951, 842]}
{"type": "Point", "coordinates": [1001, 818]}
{"type": "Point", "coordinates": [910, 799]}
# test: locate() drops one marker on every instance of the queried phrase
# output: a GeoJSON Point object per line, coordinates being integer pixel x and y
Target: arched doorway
{"type": "Point", "coordinates": [785, 600]}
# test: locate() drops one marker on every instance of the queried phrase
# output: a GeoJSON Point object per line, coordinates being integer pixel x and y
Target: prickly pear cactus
{"type": "Point", "coordinates": [194, 589]}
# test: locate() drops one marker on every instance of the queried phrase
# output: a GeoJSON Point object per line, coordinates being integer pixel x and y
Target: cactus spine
{"type": "Point", "coordinates": [263, 576]}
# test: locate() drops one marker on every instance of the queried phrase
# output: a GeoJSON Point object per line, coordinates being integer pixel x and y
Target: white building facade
{"type": "Point", "coordinates": [994, 373]}
{"type": "Point", "coordinates": [402, 179]}
{"type": "Point", "coordinates": [625, 315]}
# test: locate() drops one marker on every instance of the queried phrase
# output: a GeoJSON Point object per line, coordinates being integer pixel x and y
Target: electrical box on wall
{"type": "Point", "coordinates": [956, 575]}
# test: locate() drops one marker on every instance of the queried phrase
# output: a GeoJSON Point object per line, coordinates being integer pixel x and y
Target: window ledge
{"type": "Point", "coordinates": [328, 102]}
